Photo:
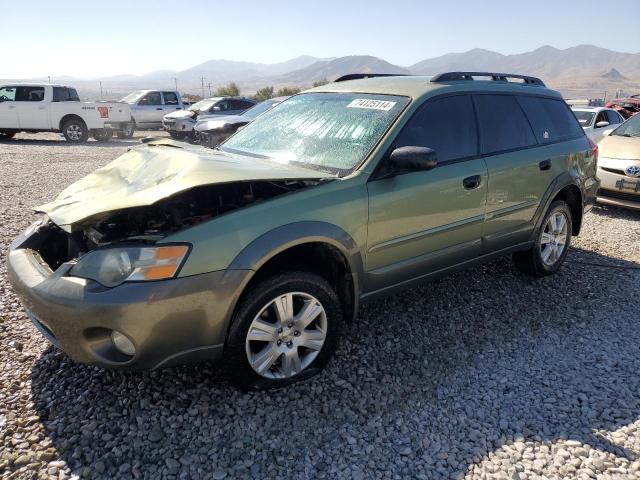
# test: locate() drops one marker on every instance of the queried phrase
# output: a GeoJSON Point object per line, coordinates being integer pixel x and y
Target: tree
{"type": "Point", "coordinates": [287, 91]}
{"type": "Point", "coordinates": [319, 83]}
{"type": "Point", "coordinates": [263, 94]}
{"type": "Point", "coordinates": [230, 90]}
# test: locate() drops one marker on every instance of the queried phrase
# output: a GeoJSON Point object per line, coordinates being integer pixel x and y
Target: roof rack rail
{"type": "Point", "coordinates": [358, 76]}
{"type": "Point", "coordinates": [496, 77]}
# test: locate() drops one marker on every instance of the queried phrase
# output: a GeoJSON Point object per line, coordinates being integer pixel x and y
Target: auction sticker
{"type": "Point", "coordinates": [383, 105]}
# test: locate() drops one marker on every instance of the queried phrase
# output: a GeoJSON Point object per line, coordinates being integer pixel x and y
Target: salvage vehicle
{"type": "Point", "coordinates": [180, 124]}
{"type": "Point", "coordinates": [619, 166]}
{"type": "Point", "coordinates": [596, 120]}
{"type": "Point", "coordinates": [627, 107]}
{"type": "Point", "coordinates": [211, 130]}
{"type": "Point", "coordinates": [149, 106]}
{"type": "Point", "coordinates": [39, 107]}
{"type": "Point", "coordinates": [260, 251]}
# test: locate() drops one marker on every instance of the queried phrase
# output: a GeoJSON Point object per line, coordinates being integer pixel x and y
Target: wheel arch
{"type": "Point", "coordinates": [318, 247]}
{"type": "Point", "coordinates": [564, 187]}
{"type": "Point", "coordinates": [71, 116]}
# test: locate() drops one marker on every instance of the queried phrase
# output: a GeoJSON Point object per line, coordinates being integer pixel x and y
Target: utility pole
{"type": "Point", "coordinates": [175, 81]}
{"type": "Point", "coordinates": [209, 85]}
{"type": "Point", "coordinates": [49, 77]}
{"type": "Point", "coordinates": [202, 84]}
{"type": "Point", "coordinates": [101, 90]}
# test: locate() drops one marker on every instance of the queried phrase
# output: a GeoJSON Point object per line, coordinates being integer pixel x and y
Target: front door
{"type": "Point", "coordinates": [422, 222]}
{"type": "Point", "coordinates": [149, 109]}
{"type": "Point", "coordinates": [170, 102]}
{"type": "Point", "coordinates": [8, 111]}
{"type": "Point", "coordinates": [33, 111]}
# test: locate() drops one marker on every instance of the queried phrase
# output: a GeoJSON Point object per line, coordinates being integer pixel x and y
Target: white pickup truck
{"type": "Point", "coordinates": [148, 107]}
{"type": "Point", "coordinates": [56, 108]}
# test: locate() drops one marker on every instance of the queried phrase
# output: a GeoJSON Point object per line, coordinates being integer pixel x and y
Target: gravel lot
{"type": "Point", "coordinates": [483, 374]}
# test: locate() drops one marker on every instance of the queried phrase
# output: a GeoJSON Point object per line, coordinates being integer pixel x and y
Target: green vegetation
{"type": "Point", "coordinates": [231, 90]}
{"type": "Point", "coordinates": [319, 83]}
{"type": "Point", "coordinates": [263, 94]}
{"type": "Point", "coordinates": [287, 91]}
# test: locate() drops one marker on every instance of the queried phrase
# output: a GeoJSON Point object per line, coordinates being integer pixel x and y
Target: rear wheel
{"type": "Point", "coordinates": [551, 243]}
{"type": "Point", "coordinates": [284, 331]}
{"type": "Point", "coordinates": [6, 135]}
{"type": "Point", "coordinates": [102, 135]}
{"type": "Point", "coordinates": [75, 131]}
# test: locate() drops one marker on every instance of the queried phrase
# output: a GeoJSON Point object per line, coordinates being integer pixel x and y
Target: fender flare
{"type": "Point", "coordinates": [565, 179]}
{"type": "Point", "coordinates": [280, 239]}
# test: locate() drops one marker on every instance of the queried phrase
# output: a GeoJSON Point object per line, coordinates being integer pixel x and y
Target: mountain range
{"type": "Point", "coordinates": [582, 70]}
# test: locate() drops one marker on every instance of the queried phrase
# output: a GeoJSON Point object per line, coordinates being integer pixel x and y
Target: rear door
{"type": "Point", "coordinates": [32, 108]}
{"type": "Point", "coordinates": [8, 111]}
{"type": "Point", "coordinates": [421, 222]}
{"type": "Point", "coordinates": [519, 170]}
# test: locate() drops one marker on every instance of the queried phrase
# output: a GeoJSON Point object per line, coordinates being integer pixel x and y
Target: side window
{"type": "Point", "coordinates": [552, 120]}
{"type": "Point", "coordinates": [614, 117]}
{"type": "Point", "coordinates": [73, 95]}
{"type": "Point", "coordinates": [7, 94]}
{"type": "Point", "coordinates": [151, 98]}
{"type": "Point", "coordinates": [170, 98]}
{"type": "Point", "coordinates": [446, 125]}
{"type": "Point", "coordinates": [222, 106]}
{"type": "Point", "coordinates": [503, 125]}
{"type": "Point", "coordinates": [64, 94]}
{"type": "Point", "coordinates": [602, 117]}
{"type": "Point", "coordinates": [29, 94]}
{"type": "Point", "coordinates": [245, 105]}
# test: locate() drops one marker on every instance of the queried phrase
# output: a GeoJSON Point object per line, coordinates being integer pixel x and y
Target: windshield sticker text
{"type": "Point", "coordinates": [371, 104]}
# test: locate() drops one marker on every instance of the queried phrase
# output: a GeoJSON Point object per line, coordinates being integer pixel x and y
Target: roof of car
{"type": "Point", "coordinates": [416, 86]}
{"type": "Point", "coordinates": [590, 109]}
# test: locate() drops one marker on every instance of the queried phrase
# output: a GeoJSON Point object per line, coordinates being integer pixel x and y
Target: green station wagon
{"type": "Point", "coordinates": [260, 251]}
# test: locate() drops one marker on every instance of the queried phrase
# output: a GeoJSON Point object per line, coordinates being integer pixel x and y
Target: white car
{"type": "Point", "coordinates": [38, 107]}
{"type": "Point", "coordinates": [149, 106]}
{"type": "Point", "coordinates": [597, 121]}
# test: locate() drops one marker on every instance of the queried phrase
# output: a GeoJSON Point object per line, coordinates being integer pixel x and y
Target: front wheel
{"type": "Point", "coordinates": [75, 131]}
{"type": "Point", "coordinates": [102, 134]}
{"type": "Point", "coordinates": [284, 331]}
{"type": "Point", "coordinates": [127, 131]}
{"type": "Point", "coordinates": [551, 243]}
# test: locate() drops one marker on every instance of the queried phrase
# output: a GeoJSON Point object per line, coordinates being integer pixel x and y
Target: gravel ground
{"type": "Point", "coordinates": [483, 374]}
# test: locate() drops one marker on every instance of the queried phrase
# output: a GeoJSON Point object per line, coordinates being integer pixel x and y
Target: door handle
{"type": "Point", "coordinates": [545, 164]}
{"type": "Point", "coordinates": [472, 182]}
{"type": "Point", "coordinates": [159, 108]}
{"type": "Point", "coordinates": [12, 106]}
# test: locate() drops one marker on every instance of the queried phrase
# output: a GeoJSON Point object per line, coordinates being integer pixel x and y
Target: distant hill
{"type": "Point", "coordinates": [333, 69]}
{"type": "Point", "coordinates": [584, 70]}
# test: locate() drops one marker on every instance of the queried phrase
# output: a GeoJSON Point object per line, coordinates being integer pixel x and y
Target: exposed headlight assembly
{"type": "Point", "coordinates": [113, 266]}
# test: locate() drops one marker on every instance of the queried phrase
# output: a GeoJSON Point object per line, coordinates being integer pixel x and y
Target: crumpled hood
{"type": "Point", "coordinates": [157, 170]}
{"type": "Point", "coordinates": [181, 114]}
{"type": "Point", "coordinates": [213, 122]}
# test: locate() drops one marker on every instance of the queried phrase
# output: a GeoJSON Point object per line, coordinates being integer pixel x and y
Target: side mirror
{"type": "Point", "coordinates": [216, 109]}
{"type": "Point", "coordinates": [602, 124]}
{"type": "Point", "coordinates": [412, 159]}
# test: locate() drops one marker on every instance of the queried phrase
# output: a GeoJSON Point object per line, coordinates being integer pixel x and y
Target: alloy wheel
{"type": "Point", "coordinates": [554, 238]}
{"type": "Point", "coordinates": [286, 335]}
{"type": "Point", "coordinates": [74, 132]}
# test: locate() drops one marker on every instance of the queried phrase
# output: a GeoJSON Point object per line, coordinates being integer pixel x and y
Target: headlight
{"type": "Point", "coordinates": [113, 266]}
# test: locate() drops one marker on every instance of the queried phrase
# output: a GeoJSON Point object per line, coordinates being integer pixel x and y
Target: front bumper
{"type": "Point", "coordinates": [170, 322]}
{"type": "Point", "coordinates": [616, 187]}
{"type": "Point", "coordinates": [178, 125]}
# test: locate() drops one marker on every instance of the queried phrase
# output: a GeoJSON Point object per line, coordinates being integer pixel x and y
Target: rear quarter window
{"type": "Point", "coordinates": [552, 120]}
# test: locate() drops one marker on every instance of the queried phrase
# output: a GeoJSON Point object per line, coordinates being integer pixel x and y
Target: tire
{"type": "Point", "coordinates": [128, 131]}
{"type": "Point", "coordinates": [548, 252]}
{"type": "Point", "coordinates": [75, 131]}
{"type": "Point", "coordinates": [178, 135]}
{"type": "Point", "coordinates": [102, 135]}
{"type": "Point", "coordinates": [7, 135]}
{"type": "Point", "coordinates": [283, 342]}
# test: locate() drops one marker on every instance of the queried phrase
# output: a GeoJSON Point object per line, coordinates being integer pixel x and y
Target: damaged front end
{"type": "Point", "coordinates": [146, 225]}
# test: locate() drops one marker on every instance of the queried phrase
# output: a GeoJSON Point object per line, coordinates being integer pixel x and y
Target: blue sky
{"type": "Point", "coordinates": [84, 39]}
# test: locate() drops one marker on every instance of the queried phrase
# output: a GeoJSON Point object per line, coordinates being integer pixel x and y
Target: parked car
{"type": "Point", "coordinates": [212, 130]}
{"type": "Point", "coordinates": [149, 106]}
{"type": "Point", "coordinates": [619, 166]}
{"type": "Point", "coordinates": [262, 250]}
{"type": "Point", "coordinates": [180, 124]}
{"type": "Point", "coordinates": [39, 107]}
{"type": "Point", "coordinates": [627, 107]}
{"type": "Point", "coordinates": [596, 120]}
